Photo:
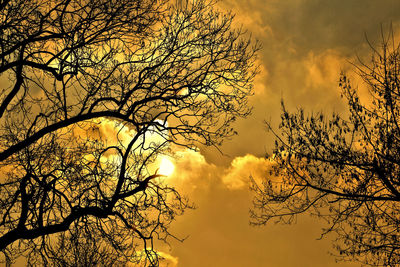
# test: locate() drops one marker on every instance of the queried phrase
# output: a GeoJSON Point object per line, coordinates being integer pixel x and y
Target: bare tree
{"type": "Point", "coordinates": [161, 75]}
{"type": "Point", "coordinates": [344, 170]}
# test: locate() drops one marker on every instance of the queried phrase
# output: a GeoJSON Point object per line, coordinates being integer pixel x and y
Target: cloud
{"type": "Point", "coordinates": [192, 171]}
{"type": "Point", "coordinates": [167, 260]}
{"type": "Point", "coordinates": [106, 130]}
{"type": "Point", "coordinates": [237, 175]}
{"type": "Point", "coordinates": [324, 68]}
{"type": "Point", "coordinates": [306, 44]}
{"type": "Point", "coordinates": [113, 132]}
{"type": "Point", "coordinates": [247, 17]}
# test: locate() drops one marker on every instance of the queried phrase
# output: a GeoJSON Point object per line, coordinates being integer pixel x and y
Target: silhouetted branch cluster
{"type": "Point", "coordinates": [345, 171]}
{"type": "Point", "coordinates": [159, 74]}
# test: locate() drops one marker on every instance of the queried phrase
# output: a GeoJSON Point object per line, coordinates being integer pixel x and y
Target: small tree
{"type": "Point", "coordinates": [344, 170]}
{"type": "Point", "coordinates": [159, 74]}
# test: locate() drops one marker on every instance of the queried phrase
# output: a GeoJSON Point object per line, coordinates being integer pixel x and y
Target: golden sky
{"type": "Point", "coordinates": [306, 44]}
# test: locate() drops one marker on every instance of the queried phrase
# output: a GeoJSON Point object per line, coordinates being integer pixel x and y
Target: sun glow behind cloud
{"type": "Point", "coordinates": [166, 166]}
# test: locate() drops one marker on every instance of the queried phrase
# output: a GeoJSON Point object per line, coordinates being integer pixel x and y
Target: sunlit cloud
{"type": "Point", "coordinates": [166, 166]}
{"type": "Point", "coordinates": [325, 67]}
{"type": "Point", "coordinates": [164, 259]}
{"type": "Point", "coordinates": [167, 260]}
{"type": "Point", "coordinates": [237, 176]}
{"type": "Point", "coordinates": [191, 171]}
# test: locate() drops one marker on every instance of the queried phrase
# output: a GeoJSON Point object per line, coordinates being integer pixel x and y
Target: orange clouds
{"type": "Point", "coordinates": [324, 68]}
{"type": "Point", "coordinates": [106, 130]}
{"type": "Point", "coordinates": [306, 44]}
{"type": "Point", "coordinates": [167, 260]}
{"type": "Point", "coordinates": [247, 18]}
{"type": "Point", "coordinates": [237, 175]}
{"type": "Point", "coordinates": [191, 171]}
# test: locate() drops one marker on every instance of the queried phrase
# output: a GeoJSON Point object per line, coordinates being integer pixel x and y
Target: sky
{"type": "Point", "coordinates": [306, 45]}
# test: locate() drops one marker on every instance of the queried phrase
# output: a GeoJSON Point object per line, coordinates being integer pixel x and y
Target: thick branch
{"type": "Point", "coordinates": [54, 127]}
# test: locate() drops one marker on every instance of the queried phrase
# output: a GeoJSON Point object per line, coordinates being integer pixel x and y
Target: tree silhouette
{"type": "Point", "coordinates": [160, 75]}
{"type": "Point", "coordinates": [344, 170]}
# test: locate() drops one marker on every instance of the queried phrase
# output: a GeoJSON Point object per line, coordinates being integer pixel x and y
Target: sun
{"type": "Point", "coordinates": [166, 166]}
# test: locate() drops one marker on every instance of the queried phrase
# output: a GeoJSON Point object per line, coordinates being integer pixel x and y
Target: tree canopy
{"type": "Point", "coordinates": [344, 169]}
{"type": "Point", "coordinates": [92, 92]}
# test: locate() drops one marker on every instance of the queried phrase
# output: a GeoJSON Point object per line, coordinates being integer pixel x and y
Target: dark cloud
{"type": "Point", "coordinates": [306, 44]}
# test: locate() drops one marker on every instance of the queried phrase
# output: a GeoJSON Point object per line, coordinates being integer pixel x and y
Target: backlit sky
{"type": "Point", "coordinates": [306, 44]}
